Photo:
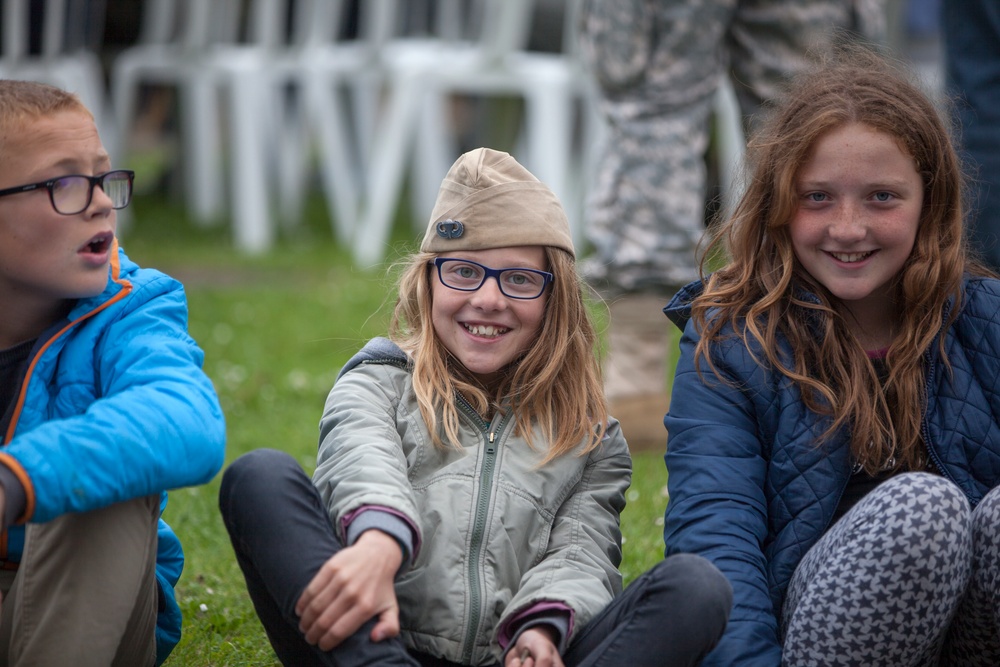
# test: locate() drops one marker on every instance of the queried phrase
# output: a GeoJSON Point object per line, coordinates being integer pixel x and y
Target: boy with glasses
{"type": "Point", "coordinates": [103, 403]}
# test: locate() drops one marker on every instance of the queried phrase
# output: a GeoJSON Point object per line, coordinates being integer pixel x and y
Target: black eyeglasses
{"type": "Point", "coordinates": [72, 194]}
{"type": "Point", "coordinates": [468, 276]}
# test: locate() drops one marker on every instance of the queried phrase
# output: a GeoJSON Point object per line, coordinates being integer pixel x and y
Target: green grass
{"type": "Point", "coordinates": [275, 330]}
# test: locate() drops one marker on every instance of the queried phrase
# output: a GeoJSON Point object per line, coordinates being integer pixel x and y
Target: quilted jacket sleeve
{"type": "Point", "coordinates": [155, 423]}
{"type": "Point", "coordinates": [717, 506]}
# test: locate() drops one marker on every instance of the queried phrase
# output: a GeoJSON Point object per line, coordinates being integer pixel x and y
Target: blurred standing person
{"type": "Point", "coordinates": [971, 32]}
{"type": "Point", "coordinates": [658, 64]}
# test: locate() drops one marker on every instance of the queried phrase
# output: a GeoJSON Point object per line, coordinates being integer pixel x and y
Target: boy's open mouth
{"type": "Point", "coordinates": [99, 244]}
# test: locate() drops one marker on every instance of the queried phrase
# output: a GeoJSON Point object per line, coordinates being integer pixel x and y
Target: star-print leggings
{"type": "Point", "coordinates": [909, 576]}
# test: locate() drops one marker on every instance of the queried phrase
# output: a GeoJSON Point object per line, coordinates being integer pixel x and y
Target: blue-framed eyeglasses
{"type": "Point", "coordinates": [468, 276]}
{"type": "Point", "coordinates": [72, 194]}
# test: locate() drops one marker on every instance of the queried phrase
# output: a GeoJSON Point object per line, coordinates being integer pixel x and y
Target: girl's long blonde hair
{"type": "Point", "coordinates": [760, 293]}
{"type": "Point", "coordinates": [556, 385]}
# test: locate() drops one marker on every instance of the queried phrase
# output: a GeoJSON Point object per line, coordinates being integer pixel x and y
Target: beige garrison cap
{"type": "Point", "coordinates": [488, 200]}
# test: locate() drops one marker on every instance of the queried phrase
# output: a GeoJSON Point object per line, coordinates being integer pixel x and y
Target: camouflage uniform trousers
{"type": "Point", "coordinates": [658, 64]}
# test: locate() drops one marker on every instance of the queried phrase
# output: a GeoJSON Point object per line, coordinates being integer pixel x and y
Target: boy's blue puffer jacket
{"type": "Point", "coordinates": [115, 406]}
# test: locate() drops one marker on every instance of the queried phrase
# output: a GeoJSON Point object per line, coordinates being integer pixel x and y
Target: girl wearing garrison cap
{"type": "Point", "coordinates": [465, 504]}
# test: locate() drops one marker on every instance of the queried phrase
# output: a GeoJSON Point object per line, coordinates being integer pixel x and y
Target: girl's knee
{"type": "Point", "coordinates": [929, 500]}
{"type": "Point", "coordinates": [252, 472]}
{"type": "Point", "coordinates": [986, 516]}
{"type": "Point", "coordinates": [923, 483]}
{"type": "Point", "coordinates": [922, 513]}
{"type": "Point", "coordinates": [694, 583]}
{"type": "Point", "coordinates": [986, 530]}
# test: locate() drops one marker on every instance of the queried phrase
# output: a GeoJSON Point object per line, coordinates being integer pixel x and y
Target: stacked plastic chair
{"type": "Point", "coordinates": [257, 83]}
{"type": "Point", "coordinates": [308, 105]}
{"type": "Point", "coordinates": [174, 39]}
{"type": "Point", "coordinates": [489, 60]}
{"type": "Point", "coordinates": [64, 58]}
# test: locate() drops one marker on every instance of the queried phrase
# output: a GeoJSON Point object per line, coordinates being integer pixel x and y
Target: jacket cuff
{"type": "Point", "coordinates": [387, 521]}
{"type": "Point", "coordinates": [554, 614]}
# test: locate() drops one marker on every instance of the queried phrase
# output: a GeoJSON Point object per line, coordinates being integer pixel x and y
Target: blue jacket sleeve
{"type": "Point", "coordinates": [717, 508]}
{"type": "Point", "coordinates": [154, 424]}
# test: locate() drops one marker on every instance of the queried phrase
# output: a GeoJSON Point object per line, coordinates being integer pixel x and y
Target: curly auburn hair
{"type": "Point", "coordinates": [759, 292]}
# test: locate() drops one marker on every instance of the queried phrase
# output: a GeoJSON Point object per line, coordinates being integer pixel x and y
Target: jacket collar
{"type": "Point", "coordinates": [119, 271]}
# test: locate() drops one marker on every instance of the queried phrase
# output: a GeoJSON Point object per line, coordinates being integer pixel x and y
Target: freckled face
{"type": "Point", "coordinates": [46, 257]}
{"type": "Point", "coordinates": [486, 330]}
{"type": "Point", "coordinates": [859, 203]}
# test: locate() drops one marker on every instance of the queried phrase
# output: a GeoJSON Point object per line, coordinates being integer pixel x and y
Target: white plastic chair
{"type": "Point", "coordinates": [240, 68]}
{"type": "Point", "coordinates": [221, 60]}
{"type": "Point", "coordinates": [288, 112]}
{"type": "Point", "coordinates": [63, 61]}
{"type": "Point", "coordinates": [241, 72]}
{"type": "Point", "coordinates": [174, 38]}
{"type": "Point", "coordinates": [341, 81]}
{"type": "Point", "coordinates": [421, 76]}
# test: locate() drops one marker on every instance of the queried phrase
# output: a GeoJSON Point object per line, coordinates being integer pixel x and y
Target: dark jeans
{"type": "Point", "coordinates": [672, 615]}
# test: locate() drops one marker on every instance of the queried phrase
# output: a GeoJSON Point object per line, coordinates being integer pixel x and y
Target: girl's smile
{"type": "Point", "coordinates": [859, 204]}
{"type": "Point", "coordinates": [485, 329]}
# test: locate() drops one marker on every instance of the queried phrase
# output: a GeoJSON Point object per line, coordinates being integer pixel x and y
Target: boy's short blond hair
{"type": "Point", "coordinates": [30, 100]}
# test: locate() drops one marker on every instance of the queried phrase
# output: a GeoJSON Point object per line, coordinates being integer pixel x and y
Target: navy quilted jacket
{"type": "Point", "coordinates": [750, 489]}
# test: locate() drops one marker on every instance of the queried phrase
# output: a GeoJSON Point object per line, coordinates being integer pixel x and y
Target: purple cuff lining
{"type": "Point", "coordinates": [410, 542]}
{"type": "Point", "coordinates": [508, 630]}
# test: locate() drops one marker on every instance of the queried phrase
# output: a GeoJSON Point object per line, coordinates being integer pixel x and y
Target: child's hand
{"type": "Point", "coordinates": [353, 586]}
{"type": "Point", "coordinates": [534, 648]}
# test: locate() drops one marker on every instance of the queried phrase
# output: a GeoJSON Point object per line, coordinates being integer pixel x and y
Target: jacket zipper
{"type": "Point", "coordinates": [478, 534]}
{"type": "Point", "coordinates": [15, 417]}
{"type": "Point", "coordinates": [926, 432]}
{"type": "Point", "coordinates": [40, 352]}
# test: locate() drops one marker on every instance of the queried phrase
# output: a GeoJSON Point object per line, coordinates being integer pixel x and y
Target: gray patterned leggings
{"type": "Point", "coordinates": [909, 576]}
